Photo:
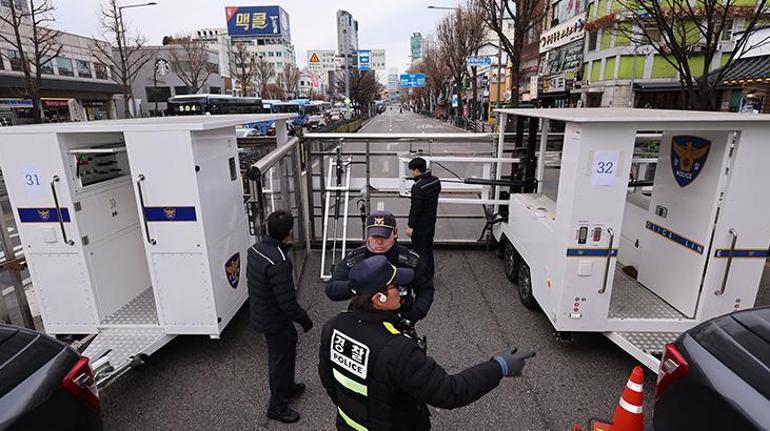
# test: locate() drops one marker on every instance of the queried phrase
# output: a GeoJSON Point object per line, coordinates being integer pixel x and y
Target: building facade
{"type": "Point", "coordinates": [561, 45]}
{"type": "Point", "coordinates": [617, 72]}
{"type": "Point", "coordinates": [76, 85]}
{"type": "Point", "coordinates": [266, 32]}
{"type": "Point", "coordinates": [347, 33]}
{"type": "Point", "coordinates": [218, 40]}
{"type": "Point", "coordinates": [158, 80]}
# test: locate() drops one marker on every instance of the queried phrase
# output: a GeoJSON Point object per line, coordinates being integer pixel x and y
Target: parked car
{"type": "Point", "coordinates": [716, 376]}
{"type": "Point", "coordinates": [45, 384]}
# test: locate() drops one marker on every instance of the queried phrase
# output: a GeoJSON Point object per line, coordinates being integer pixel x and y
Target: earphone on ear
{"type": "Point", "coordinates": [382, 297]}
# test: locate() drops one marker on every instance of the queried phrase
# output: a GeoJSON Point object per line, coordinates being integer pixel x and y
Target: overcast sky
{"type": "Point", "coordinates": [383, 24]}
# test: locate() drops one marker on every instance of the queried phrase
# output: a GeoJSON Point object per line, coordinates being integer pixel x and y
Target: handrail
{"type": "Point", "coordinates": [273, 157]}
{"type": "Point", "coordinates": [150, 239]}
{"type": "Point", "coordinates": [609, 260]}
{"type": "Point", "coordinates": [59, 211]}
{"type": "Point", "coordinates": [734, 234]}
{"type": "Point", "coordinates": [400, 136]}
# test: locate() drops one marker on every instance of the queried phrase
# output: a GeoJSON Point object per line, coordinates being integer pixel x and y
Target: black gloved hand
{"type": "Point", "coordinates": [512, 363]}
{"type": "Point", "coordinates": [307, 325]}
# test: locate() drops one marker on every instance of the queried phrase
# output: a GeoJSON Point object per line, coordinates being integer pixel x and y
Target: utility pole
{"type": "Point", "coordinates": [499, 55]}
{"type": "Point", "coordinates": [347, 75]}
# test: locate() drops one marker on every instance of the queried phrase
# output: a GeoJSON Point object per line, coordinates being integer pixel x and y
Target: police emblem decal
{"type": "Point", "coordinates": [351, 355]}
{"type": "Point", "coordinates": [170, 213]}
{"type": "Point", "coordinates": [688, 156]}
{"type": "Point", "coordinates": [233, 270]}
{"type": "Point", "coordinates": [45, 215]}
{"type": "Point", "coordinates": [379, 221]}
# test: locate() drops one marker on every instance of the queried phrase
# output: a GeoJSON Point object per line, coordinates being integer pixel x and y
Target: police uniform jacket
{"type": "Point", "coordinates": [380, 380]}
{"type": "Point", "coordinates": [272, 297]}
{"type": "Point", "coordinates": [422, 213]}
{"type": "Point", "coordinates": [414, 307]}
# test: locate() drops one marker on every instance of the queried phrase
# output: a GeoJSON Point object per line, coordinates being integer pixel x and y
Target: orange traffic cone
{"type": "Point", "coordinates": [628, 415]}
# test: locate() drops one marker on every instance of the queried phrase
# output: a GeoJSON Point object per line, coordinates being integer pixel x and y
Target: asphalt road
{"type": "Point", "coordinates": [195, 383]}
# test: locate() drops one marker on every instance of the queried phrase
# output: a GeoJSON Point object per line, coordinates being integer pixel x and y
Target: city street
{"type": "Point", "coordinates": [195, 383]}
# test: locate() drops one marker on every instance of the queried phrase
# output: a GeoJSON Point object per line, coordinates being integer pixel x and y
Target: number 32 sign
{"type": "Point", "coordinates": [605, 168]}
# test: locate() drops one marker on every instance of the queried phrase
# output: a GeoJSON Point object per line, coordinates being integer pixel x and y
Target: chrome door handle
{"type": "Point", "coordinates": [609, 261]}
{"type": "Point", "coordinates": [58, 211]}
{"type": "Point", "coordinates": [150, 239]}
{"type": "Point", "coordinates": [734, 234]}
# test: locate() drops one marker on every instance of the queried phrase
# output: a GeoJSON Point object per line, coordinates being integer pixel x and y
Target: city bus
{"type": "Point", "coordinates": [214, 104]}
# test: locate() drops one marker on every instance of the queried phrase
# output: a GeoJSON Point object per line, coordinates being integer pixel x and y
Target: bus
{"type": "Point", "coordinates": [213, 104]}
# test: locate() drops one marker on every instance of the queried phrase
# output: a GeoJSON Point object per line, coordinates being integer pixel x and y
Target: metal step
{"type": "Point", "coordinates": [647, 347]}
{"type": "Point", "coordinates": [116, 350]}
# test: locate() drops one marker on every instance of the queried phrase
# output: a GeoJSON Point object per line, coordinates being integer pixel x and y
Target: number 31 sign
{"type": "Point", "coordinates": [605, 168]}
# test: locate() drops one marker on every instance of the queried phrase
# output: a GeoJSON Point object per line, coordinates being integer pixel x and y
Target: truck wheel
{"type": "Point", "coordinates": [509, 261]}
{"type": "Point", "coordinates": [524, 281]}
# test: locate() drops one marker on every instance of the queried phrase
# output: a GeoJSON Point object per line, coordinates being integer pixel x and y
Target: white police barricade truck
{"type": "Point", "coordinates": [131, 228]}
{"type": "Point", "coordinates": [693, 249]}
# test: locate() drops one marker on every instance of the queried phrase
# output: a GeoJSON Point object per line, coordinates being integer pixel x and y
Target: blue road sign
{"type": "Point", "coordinates": [364, 60]}
{"type": "Point", "coordinates": [478, 61]}
{"type": "Point", "coordinates": [412, 80]}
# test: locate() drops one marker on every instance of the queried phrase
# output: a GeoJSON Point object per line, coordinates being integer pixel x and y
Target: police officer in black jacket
{"type": "Point", "coordinates": [382, 233]}
{"type": "Point", "coordinates": [273, 306]}
{"type": "Point", "coordinates": [378, 378]}
{"type": "Point", "coordinates": [422, 213]}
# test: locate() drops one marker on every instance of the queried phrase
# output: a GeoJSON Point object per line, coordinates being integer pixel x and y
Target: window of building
{"type": "Point", "coordinates": [727, 30]}
{"type": "Point", "coordinates": [279, 54]}
{"type": "Point", "coordinates": [157, 94]}
{"type": "Point", "coordinates": [592, 37]}
{"type": "Point", "coordinates": [84, 69]}
{"type": "Point", "coordinates": [555, 13]}
{"type": "Point", "coordinates": [214, 68]}
{"type": "Point", "coordinates": [215, 90]}
{"type": "Point", "coordinates": [101, 71]}
{"type": "Point", "coordinates": [65, 66]}
{"type": "Point", "coordinates": [15, 59]}
{"type": "Point", "coordinates": [47, 66]}
{"type": "Point", "coordinates": [181, 91]}
{"type": "Point", "coordinates": [270, 53]}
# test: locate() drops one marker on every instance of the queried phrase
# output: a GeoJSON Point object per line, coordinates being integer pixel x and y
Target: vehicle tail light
{"type": "Point", "coordinates": [673, 367]}
{"type": "Point", "coordinates": [81, 383]}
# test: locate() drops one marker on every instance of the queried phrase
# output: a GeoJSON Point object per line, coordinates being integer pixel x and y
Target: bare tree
{"type": "Point", "coordinates": [678, 30]}
{"type": "Point", "coordinates": [291, 79]}
{"type": "Point", "coordinates": [527, 15]}
{"type": "Point", "coordinates": [243, 68]}
{"type": "Point", "coordinates": [191, 62]}
{"type": "Point", "coordinates": [436, 73]}
{"type": "Point", "coordinates": [364, 89]}
{"type": "Point", "coordinates": [419, 96]}
{"type": "Point", "coordinates": [274, 91]}
{"type": "Point", "coordinates": [36, 46]}
{"type": "Point", "coordinates": [459, 36]}
{"type": "Point", "coordinates": [265, 71]}
{"type": "Point", "coordinates": [129, 55]}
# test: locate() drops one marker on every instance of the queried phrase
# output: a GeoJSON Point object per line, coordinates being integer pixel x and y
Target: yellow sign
{"type": "Point", "coordinates": [314, 58]}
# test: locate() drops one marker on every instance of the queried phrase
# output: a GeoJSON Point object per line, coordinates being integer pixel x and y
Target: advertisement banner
{"type": "Point", "coordinates": [255, 21]}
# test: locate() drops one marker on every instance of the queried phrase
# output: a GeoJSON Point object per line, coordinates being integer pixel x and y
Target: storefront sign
{"type": "Point", "coordinates": [554, 83]}
{"type": "Point", "coordinates": [55, 103]}
{"type": "Point", "coordinates": [569, 31]}
{"type": "Point", "coordinates": [15, 103]}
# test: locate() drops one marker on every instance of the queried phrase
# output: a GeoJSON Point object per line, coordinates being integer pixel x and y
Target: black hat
{"type": "Point", "coordinates": [377, 272]}
{"type": "Point", "coordinates": [380, 223]}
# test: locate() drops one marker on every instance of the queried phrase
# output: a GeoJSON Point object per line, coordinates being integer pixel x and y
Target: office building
{"type": "Point", "coordinates": [347, 33]}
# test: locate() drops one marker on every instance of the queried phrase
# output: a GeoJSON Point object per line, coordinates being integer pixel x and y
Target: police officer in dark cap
{"type": "Point", "coordinates": [379, 378]}
{"type": "Point", "coordinates": [382, 235]}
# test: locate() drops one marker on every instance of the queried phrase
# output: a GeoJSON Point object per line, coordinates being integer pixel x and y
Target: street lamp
{"type": "Point", "coordinates": [443, 7]}
{"type": "Point", "coordinates": [120, 17]}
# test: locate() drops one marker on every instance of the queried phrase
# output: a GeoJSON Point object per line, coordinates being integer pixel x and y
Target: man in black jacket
{"type": "Point", "coordinates": [422, 213]}
{"type": "Point", "coordinates": [382, 233]}
{"type": "Point", "coordinates": [379, 379]}
{"type": "Point", "coordinates": [273, 306]}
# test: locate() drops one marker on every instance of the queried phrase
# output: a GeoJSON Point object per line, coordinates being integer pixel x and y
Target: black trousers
{"type": "Point", "coordinates": [281, 361]}
{"type": "Point", "coordinates": [423, 245]}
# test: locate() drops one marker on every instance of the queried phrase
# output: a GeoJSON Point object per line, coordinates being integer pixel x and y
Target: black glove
{"type": "Point", "coordinates": [307, 325]}
{"type": "Point", "coordinates": [512, 363]}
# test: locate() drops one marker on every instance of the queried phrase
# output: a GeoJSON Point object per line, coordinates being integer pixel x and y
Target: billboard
{"type": "Point", "coordinates": [258, 21]}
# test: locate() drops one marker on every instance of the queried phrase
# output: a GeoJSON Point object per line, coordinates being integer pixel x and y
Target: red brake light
{"type": "Point", "coordinates": [81, 383]}
{"type": "Point", "coordinates": [673, 367]}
